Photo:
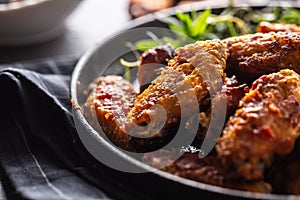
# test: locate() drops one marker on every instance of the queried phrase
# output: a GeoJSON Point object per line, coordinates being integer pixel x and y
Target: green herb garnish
{"type": "Point", "coordinates": [189, 27]}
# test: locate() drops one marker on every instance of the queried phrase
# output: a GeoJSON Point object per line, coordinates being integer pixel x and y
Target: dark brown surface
{"type": "Point", "coordinates": [265, 125]}
{"type": "Point", "coordinates": [206, 170]}
{"type": "Point", "coordinates": [233, 92]}
{"type": "Point", "coordinates": [152, 62]}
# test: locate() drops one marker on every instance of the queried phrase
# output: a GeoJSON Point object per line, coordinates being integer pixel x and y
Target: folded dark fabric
{"type": "Point", "coordinates": [41, 156]}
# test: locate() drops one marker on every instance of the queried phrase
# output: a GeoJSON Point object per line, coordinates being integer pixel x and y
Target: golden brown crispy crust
{"type": "Point", "coordinates": [266, 27]}
{"type": "Point", "coordinates": [262, 53]}
{"type": "Point", "coordinates": [111, 99]}
{"type": "Point", "coordinates": [193, 64]}
{"type": "Point", "coordinates": [266, 124]}
{"type": "Point", "coordinates": [107, 106]}
{"type": "Point", "coordinates": [206, 170]}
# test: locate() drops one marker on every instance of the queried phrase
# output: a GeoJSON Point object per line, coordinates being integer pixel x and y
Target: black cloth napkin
{"type": "Point", "coordinates": [41, 156]}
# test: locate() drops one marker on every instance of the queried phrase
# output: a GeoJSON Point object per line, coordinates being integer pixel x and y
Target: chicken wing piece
{"type": "Point", "coordinates": [262, 53]}
{"type": "Point", "coordinates": [206, 170]}
{"type": "Point", "coordinates": [198, 69]}
{"type": "Point", "coordinates": [106, 108]}
{"type": "Point", "coordinates": [108, 105]}
{"type": "Point", "coordinates": [266, 124]}
{"type": "Point", "coordinates": [266, 27]}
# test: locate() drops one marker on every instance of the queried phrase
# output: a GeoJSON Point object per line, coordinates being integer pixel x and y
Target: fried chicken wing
{"type": "Point", "coordinates": [190, 75]}
{"type": "Point", "coordinates": [262, 53]}
{"type": "Point", "coordinates": [266, 124]}
{"type": "Point", "coordinates": [108, 105]}
{"type": "Point", "coordinates": [206, 170]}
{"type": "Point", "coordinates": [266, 27]}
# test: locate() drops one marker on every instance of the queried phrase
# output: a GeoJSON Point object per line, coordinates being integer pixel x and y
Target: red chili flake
{"type": "Point", "coordinates": [104, 95]}
{"type": "Point", "coordinates": [150, 103]}
{"type": "Point", "coordinates": [269, 133]}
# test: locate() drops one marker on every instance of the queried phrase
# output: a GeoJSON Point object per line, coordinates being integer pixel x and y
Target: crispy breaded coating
{"type": "Point", "coordinates": [108, 105]}
{"type": "Point", "coordinates": [266, 27]}
{"type": "Point", "coordinates": [206, 170]}
{"type": "Point", "coordinates": [262, 53]}
{"type": "Point", "coordinates": [198, 68]}
{"type": "Point", "coordinates": [266, 124]}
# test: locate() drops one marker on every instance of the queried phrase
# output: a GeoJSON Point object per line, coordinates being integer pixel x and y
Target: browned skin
{"type": "Point", "coordinates": [108, 105]}
{"type": "Point", "coordinates": [231, 93]}
{"type": "Point", "coordinates": [262, 53]}
{"type": "Point", "coordinates": [265, 125]}
{"type": "Point", "coordinates": [206, 170]}
{"type": "Point", "coordinates": [266, 27]}
{"type": "Point", "coordinates": [208, 60]}
{"type": "Point", "coordinates": [152, 62]}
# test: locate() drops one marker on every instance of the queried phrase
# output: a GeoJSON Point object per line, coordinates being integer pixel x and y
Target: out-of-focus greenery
{"type": "Point", "coordinates": [231, 21]}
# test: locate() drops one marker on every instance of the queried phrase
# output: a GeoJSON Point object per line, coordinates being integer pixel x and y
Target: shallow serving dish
{"type": "Point", "coordinates": [33, 21]}
{"type": "Point", "coordinates": [156, 183]}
